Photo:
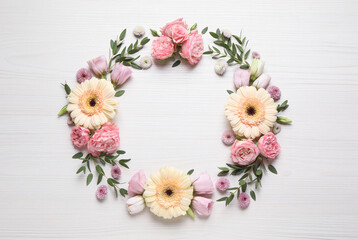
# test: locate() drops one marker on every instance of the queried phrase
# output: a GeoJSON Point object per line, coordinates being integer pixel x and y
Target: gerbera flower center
{"type": "Point", "coordinates": [169, 192]}
{"type": "Point", "coordinates": [251, 111]}
{"type": "Point", "coordinates": [92, 103]}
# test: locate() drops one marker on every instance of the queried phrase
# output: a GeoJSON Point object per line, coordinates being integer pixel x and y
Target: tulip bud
{"type": "Point", "coordinates": [136, 183]}
{"type": "Point", "coordinates": [98, 66]}
{"type": "Point", "coordinates": [256, 68]}
{"type": "Point", "coordinates": [283, 120]}
{"type": "Point", "coordinates": [202, 205]}
{"type": "Point", "coordinates": [241, 78]}
{"type": "Point", "coordinates": [135, 204]}
{"type": "Point", "coordinates": [203, 184]}
{"type": "Point", "coordinates": [263, 81]}
{"type": "Point", "coordinates": [120, 74]}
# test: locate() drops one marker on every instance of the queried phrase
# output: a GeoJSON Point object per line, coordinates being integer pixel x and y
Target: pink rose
{"type": "Point", "coordinates": [104, 140]}
{"type": "Point", "coordinates": [244, 152]}
{"type": "Point", "coordinates": [202, 205]}
{"type": "Point", "coordinates": [192, 49]}
{"type": "Point", "coordinates": [269, 146]}
{"type": "Point", "coordinates": [137, 183]}
{"type": "Point", "coordinates": [162, 48]}
{"type": "Point", "coordinates": [180, 34]}
{"type": "Point", "coordinates": [80, 136]}
{"type": "Point", "coordinates": [120, 74]}
{"type": "Point", "coordinates": [202, 184]}
{"type": "Point", "coordinates": [98, 66]}
{"type": "Point", "coordinates": [167, 30]}
{"type": "Point", "coordinates": [241, 78]}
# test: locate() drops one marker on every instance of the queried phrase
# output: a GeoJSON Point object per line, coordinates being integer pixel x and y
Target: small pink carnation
{"type": "Point", "coordinates": [222, 184]}
{"type": "Point", "coordinates": [193, 48]}
{"type": "Point", "coordinates": [256, 55]}
{"type": "Point", "coordinates": [104, 140]}
{"type": "Point", "coordinates": [101, 192]}
{"type": "Point", "coordinates": [244, 200]}
{"type": "Point", "coordinates": [162, 48]}
{"type": "Point", "coordinates": [83, 74]}
{"type": "Point", "coordinates": [80, 136]}
{"type": "Point", "coordinates": [274, 92]}
{"type": "Point", "coordinates": [269, 146]}
{"type": "Point", "coordinates": [116, 172]}
{"type": "Point", "coordinates": [228, 137]}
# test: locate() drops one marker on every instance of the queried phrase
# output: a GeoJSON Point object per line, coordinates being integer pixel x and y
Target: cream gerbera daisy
{"type": "Point", "coordinates": [168, 193]}
{"type": "Point", "coordinates": [251, 112]}
{"type": "Point", "coordinates": [92, 103]}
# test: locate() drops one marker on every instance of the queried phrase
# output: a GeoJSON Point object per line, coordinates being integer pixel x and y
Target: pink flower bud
{"type": "Point", "coordinates": [203, 185]}
{"type": "Point", "coordinates": [202, 205]}
{"type": "Point", "coordinates": [241, 78]}
{"type": "Point", "coordinates": [120, 74]}
{"type": "Point", "coordinates": [98, 66]}
{"type": "Point", "coordinates": [263, 81]}
{"type": "Point", "coordinates": [137, 183]}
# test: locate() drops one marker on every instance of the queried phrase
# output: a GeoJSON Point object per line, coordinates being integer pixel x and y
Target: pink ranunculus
{"type": "Point", "coordinates": [104, 140]}
{"type": "Point", "coordinates": [192, 49]}
{"type": "Point", "coordinates": [180, 34]}
{"type": "Point", "coordinates": [203, 185]}
{"type": "Point", "coordinates": [137, 183]}
{"type": "Point", "coordinates": [98, 66]}
{"type": "Point", "coordinates": [167, 30]}
{"type": "Point", "coordinates": [241, 78]}
{"type": "Point", "coordinates": [202, 205]}
{"type": "Point", "coordinates": [80, 136]}
{"type": "Point", "coordinates": [269, 146]}
{"type": "Point", "coordinates": [162, 48]}
{"type": "Point", "coordinates": [120, 74]}
{"type": "Point", "coordinates": [244, 152]}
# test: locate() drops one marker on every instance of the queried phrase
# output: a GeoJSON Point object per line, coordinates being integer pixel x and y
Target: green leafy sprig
{"type": "Point", "coordinates": [123, 55]}
{"type": "Point", "coordinates": [235, 51]}
{"type": "Point", "coordinates": [250, 174]}
{"type": "Point", "coordinates": [104, 158]}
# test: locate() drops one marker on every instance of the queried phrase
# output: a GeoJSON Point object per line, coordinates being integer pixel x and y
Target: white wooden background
{"type": "Point", "coordinates": [175, 117]}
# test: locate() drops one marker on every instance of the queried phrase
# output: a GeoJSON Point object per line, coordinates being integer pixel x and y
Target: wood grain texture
{"type": "Point", "coordinates": [175, 117]}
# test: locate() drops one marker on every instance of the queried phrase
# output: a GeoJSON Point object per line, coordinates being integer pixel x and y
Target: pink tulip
{"type": "Point", "coordinates": [203, 184]}
{"type": "Point", "coordinates": [120, 74]}
{"type": "Point", "coordinates": [137, 183]}
{"type": "Point", "coordinates": [263, 81]}
{"type": "Point", "coordinates": [202, 205]}
{"type": "Point", "coordinates": [241, 78]}
{"type": "Point", "coordinates": [98, 66]}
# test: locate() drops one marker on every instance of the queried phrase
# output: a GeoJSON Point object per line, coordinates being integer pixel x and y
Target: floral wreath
{"type": "Point", "coordinates": [170, 192]}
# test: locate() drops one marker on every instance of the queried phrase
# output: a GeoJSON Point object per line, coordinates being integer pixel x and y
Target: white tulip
{"type": "Point", "coordinates": [263, 81]}
{"type": "Point", "coordinates": [135, 204]}
{"type": "Point", "coordinates": [256, 68]}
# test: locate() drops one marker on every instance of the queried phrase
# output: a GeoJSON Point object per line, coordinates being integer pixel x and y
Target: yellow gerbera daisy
{"type": "Point", "coordinates": [92, 103]}
{"type": "Point", "coordinates": [251, 112]}
{"type": "Point", "coordinates": [168, 193]}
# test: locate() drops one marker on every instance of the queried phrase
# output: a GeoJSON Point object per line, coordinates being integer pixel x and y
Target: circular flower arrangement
{"type": "Point", "coordinates": [170, 192]}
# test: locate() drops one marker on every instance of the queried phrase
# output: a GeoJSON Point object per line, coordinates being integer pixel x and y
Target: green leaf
{"type": "Point", "coordinates": [223, 173]}
{"type": "Point", "coordinates": [154, 33]}
{"type": "Point", "coordinates": [283, 106]}
{"type": "Point", "coordinates": [236, 172]}
{"type": "Point", "coordinates": [111, 43]}
{"type": "Point", "coordinates": [253, 196]}
{"type": "Point", "coordinates": [89, 178]}
{"type": "Point", "coordinates": [234, 166]}
{"type": "Point", "coordinates": [62, 111]}
{"type": "Point", "coordinates": [218, 32]}
{"type": "Point", "coordinates": [243, 187]}
{"type": "Point", "coordinates": [176, 63]}
{"type": "Point", "coordinates": [208, 52]}
{"type": "Point", "coordinates": [67, 89]}
{"type": "Point", "coordinates": [258, 172]}
{"type": "Point", "coordinates": [144, 41]}
{"type": "Point", "coordinates": [221, 44]}
{"type": "Point", "coordinates": [125, 160]}
{"type": "Point", "coordinates": [123, 164]}
{"type": "Point", "coordinates": [242, 182]}
{"type": "Point", "coordinates": [214, 35]}
{"type": "Point", "coordinates": [116, 192]}
{"type": "Point", "coordinates": [136, 66]}
{"type": "Point", "coordinates": [229, 199]}
{"type": "Point", "coordinates": [221, 199]}
{"type": "Point", "coordinates": [99, 180]}
{"type": "Point", "coordinates": [247, 54]}
{"type": "Point", "coordinates": [77, 155]}
{"type": "Point", "coordinates": [81, 169]}
{"type": "Point", "coordinates": [121, 152]}
{"type": "Point", "coordinates": [123, 34]}
{"type": "Point", "coordinates": [119, 93]}
{"type": "Point", "coordinates": [110, 182]}
{"type": "Point", "coordinates": [204, 30]}
{"type": "Point", "coordinates": [190, 212]}
{"type": "Point", "coordinates": [123, 192]}
{"type": "Point", "coordinates": [283, 120]}
{"type": "Point", "coordinates": [229, 91]}
{"type": "Point", "coordinates": [190, 172]}
{"type": "Point", "coordinates": [193, 27]}
{"type": "Point", "coordinates": [272, 169]}
{"type": "Point", "coordinates": [244, 66]}
{"type": "Point", "coordinates": [225, 169]}
{"type": "Point", "coordinates": [99, 169]}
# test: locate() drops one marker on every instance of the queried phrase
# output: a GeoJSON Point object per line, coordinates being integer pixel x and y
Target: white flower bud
{"type": "Point", "coordinates": [256, 68]}
{"type": "Point", "coordinates": [263, 81]}
{"type": "Point", "coordinates": [226, 33]}
{"type": "Point", "coordinates": [145, 62]}
{"type": "Point", "coordinates": [135, 204]}
{"type": "Point", "coordinates": [139, 31]}
{"type": "Point", "coordinates": [220, 67]}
